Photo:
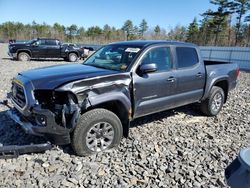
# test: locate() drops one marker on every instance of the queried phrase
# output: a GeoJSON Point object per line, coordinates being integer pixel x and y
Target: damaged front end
{"type": "Point", "coordinates": [53, 114]}
{"type": "Point", "coordinates": [63, 105]}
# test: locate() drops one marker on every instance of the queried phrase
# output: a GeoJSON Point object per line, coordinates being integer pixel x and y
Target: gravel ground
{"type": "Point", "coordinates": [176, 148]}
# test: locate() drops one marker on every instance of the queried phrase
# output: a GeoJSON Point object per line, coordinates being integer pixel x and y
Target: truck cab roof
{"type": "Point", "coordinates": [43, 38]}
{"type": "Point", "coordinates": [145, 43]}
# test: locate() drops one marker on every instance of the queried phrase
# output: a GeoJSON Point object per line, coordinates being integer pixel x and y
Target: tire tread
{"type": "Point", "coordinates": [86, 119]}
{"type": "Point", "coordinates": [205, 105]}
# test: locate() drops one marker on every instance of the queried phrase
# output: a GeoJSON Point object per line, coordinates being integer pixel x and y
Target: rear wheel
{"type": "Point", "coordinates": [23, 56]}
{"type": "Point", "coordinates": [73, 57]}
{"type": "Point", "coordinates": [97, 130]}
{"type": "Point", "coordinates": [213, 104]}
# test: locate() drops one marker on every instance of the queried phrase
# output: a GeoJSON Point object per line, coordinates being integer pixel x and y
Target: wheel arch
{"type": "Point", "coordinates": [222, 82]}
{"type": "Point", "coordinates": [118, 104]}
{"type": "Point", "coordinates": [24, 50]}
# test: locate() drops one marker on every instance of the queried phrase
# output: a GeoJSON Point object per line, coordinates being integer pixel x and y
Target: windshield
{"type": "Point", "coordinates": [113, 57]}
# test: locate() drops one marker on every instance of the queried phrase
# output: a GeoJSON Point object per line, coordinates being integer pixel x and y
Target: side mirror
{"type": "Point", "coordinates": [147, 68]}
{"type": "Point", "coordinates": [35, 44]}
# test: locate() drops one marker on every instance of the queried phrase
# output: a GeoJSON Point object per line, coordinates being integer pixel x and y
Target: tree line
{"type": "Point", "coordinates": [227, 25]}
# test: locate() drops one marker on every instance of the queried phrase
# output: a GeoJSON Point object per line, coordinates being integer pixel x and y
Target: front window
{"type": "Point", "coordinates": [40, 42]}
{"type": "Point", "coordinates": [160, 56]}
{"type": "Point", "coordinates": [113, 57]}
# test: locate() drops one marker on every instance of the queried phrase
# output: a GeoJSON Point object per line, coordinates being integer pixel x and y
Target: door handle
{"type": "Point", "coordinates": [171, 79]}
{"type": "Point", "coordinates": [199, 75]}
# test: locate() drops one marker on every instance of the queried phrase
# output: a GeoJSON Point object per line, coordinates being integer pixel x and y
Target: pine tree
{"type": "Point", "coordinates": [128, 28]}
{"type": "Point", "coordinates": [193, 32]}
{"type": "Point", "coordinates": [240, 7]}
{"type": "Point", "coordinates": [219, 17]}
{"type": "Point", "coordinates": [71, 31]}
{"type": "Point", "coordinates": [205, 33]}
{"type": "Point", "coordinates": [107, 32]}
{"type": "Point", "coordinates": [143, 28]}
{"type": "Point", "coordinates": [157, 31]}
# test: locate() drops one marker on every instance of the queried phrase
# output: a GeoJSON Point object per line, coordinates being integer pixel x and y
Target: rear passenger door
{"type": "Point", "coordinates": [190, 75]}
{"type": "Point", "coordinates": [53, 48]}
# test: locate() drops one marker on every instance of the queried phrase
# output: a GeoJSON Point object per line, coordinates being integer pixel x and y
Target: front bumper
{"type": "Point", "coordinates": [26, 125]}
{"type": "Point", "coordinates": [13, 55]}
{"type": "Point", "coordinates": [57, 134]}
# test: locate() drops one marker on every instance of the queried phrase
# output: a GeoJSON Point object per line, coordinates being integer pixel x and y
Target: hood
{"type": "Point", "coordinates": [18, 44]}
{"type": "Point", "coordinates": [54, 76]}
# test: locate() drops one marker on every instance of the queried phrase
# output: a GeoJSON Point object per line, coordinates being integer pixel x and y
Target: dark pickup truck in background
{"type": "Point", "coordinates": [45, 48]}
{"type": "Point", "coordinates": [91, 105]}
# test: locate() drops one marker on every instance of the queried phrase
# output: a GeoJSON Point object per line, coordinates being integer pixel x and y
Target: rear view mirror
{"type": "Point", "coordinates": [147, 68]}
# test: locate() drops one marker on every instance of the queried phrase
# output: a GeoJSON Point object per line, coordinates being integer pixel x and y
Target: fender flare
{"type": "Point", "coordinates": [110, 97]}
{"type": "Point", "coordinates": [114, 97]}
{"type": "Point", "coordinates": [212, 83]}
{"type": "Point", "coordinates": [25, 50]}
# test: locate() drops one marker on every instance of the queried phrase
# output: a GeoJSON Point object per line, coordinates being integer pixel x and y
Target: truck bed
{"type": "Point", "coordinates": [220, 69]}
{"type": "Point", "coordinates": [207, 62]}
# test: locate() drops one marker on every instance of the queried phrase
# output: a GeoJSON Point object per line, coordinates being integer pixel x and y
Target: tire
{"type": "Point", "coordinates": [73, 57]}
{"type": "Point", "coordinates": [213, 104]}
{"type": "Point", "coordinates": [23, 56]}
{"type": "Point", "coordinates": [87, 129]}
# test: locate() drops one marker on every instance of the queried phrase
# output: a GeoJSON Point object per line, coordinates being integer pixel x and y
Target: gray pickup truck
{"type": "Point", "coordinates": [91, 105]}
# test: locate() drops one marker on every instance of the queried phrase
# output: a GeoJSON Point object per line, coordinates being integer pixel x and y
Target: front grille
{"type": "Point", "coordinates": [18, 95]}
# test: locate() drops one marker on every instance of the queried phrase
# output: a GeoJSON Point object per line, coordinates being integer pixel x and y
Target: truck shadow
{"type": "Point", "coordinates": [12, 134]}
{"type": "Point", "coordinates": [189, 110]}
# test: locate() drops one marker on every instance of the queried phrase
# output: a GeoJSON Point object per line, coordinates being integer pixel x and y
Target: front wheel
{"type": "Point", "coordinates": [97, 130]}
{"type": "Point", "coordinates": [23, 56]}
{"type": "Point", "coordinates": [213, 104]}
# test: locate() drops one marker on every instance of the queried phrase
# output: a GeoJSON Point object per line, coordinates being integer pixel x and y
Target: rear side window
{"type": "Point", "coordinates": [50, 42]}
{"type": "Point", "coordinates": [187, 57]}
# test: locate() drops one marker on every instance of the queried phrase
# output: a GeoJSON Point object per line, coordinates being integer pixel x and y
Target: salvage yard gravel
{"type": "Point", "coordinates": [176, 148]}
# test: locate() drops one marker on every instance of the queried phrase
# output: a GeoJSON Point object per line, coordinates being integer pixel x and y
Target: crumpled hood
{"type": "Point", "coordinates": [55, 76]}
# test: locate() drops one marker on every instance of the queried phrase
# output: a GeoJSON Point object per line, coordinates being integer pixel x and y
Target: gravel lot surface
{"type": "Point", "coordinates": [176, 148]}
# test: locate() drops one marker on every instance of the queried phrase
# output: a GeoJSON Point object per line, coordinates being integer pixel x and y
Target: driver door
{"type": "Point", "coordinates": [153, 91]}
{"type": "Point", "coordinates": [39, 49]}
